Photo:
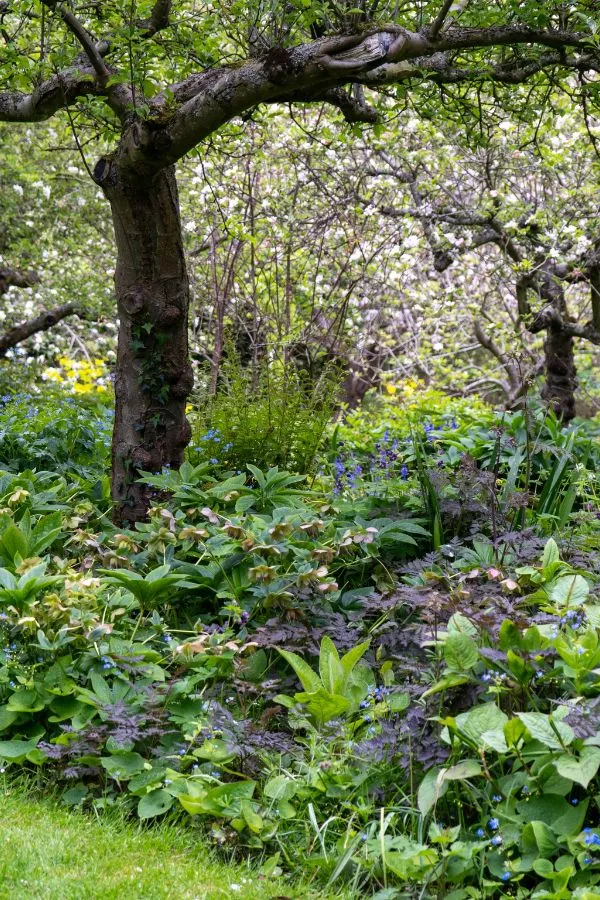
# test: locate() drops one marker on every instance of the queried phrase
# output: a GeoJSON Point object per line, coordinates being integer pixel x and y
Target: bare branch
{"type": "Point", "coordinates": [16, 278]}
{"type": "Point", "coordinates": [86, 41]}
{"type": "Point", "coordinates": [440, 19]}
{"type": "Point", "coordinates": [353, 106]}
{"type": "Point", "coordinates": [43, 322]}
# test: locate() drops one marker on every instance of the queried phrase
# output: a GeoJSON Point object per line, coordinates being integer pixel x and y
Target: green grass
{"type": "Point", "coordinates": [47, 851]}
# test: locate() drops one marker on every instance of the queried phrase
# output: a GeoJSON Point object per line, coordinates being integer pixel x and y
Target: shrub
{"type": "Point", "coordinates": [275, 417]}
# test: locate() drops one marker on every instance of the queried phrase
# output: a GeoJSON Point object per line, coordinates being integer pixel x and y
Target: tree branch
{"type": "Point", "coordinates": [439, 20]}
{"type": "Point", "coordinates": [89, 47]}
{"type": "Point", "coordinates": [13, 277]}
{"type": "Point", "coordinates": [43, 322]}
{"type": "Point", "coordinates": [159, 18]}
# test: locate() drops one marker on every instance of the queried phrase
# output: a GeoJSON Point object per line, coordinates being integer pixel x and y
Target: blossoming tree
{"type": "Point", "coordinates": [157, 78]}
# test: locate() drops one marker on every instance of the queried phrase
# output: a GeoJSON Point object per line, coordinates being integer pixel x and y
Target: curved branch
{"type": "Point", "coordinates": [84, 38]}
{"type": "Point", "coordinates": [43, 322]}
{"type": "Point", "coordinates": [16, 278]}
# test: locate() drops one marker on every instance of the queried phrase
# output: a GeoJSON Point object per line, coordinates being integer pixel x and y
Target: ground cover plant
{"type": "Point", "coordinates": [299, 448]}
{"type": "Point", "coordinates": [326, 668]}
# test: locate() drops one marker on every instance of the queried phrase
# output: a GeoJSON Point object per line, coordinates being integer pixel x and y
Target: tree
{"type": "Point", "coordinates": [531, 209]}
{"type": "Point", "coordinates": [216, 63]}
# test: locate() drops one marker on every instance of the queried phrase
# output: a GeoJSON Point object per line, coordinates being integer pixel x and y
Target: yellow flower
{"type": "Point", "coordinates": [391, 389]}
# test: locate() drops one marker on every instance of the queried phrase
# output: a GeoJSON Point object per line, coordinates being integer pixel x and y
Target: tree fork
{"type": "Point", "coordinates": [153, 375]}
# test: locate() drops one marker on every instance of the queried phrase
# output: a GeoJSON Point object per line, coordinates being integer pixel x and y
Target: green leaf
{"type": "Point", "coordinates": [460, 652]}
{"type": "Point", "coordinates": [398, 702]}
{"type": "Point", "coordinates": [568, 590]}
{"type": "Point", "coordinates": [495, 738]}
{"type": "Point", "coordinates": [154, 804]}
{"type": "Point", "coordinates": [480, 719]}
{"type": "Point", "coordinates": [539, 836]}
{"type": "Point", "coordinates": [215, 750]}
{"type": "Point", "coordinates": [431, 789]}
{"type": "Point", "coordinates": [16, 750]}
{"type": "Point", "coordinates": [550, 732]}
{"type": "Point", "coordinates": [445, 683]}
{"type": "Point", "coordinates": [330, 667]}
{"type": "Point", "coordinates": [460, 623]}
{"type": "Point", "coordinates": [322, 705]}
{"type": "Point", "coordinates": [551, 553]}
{"type": "Point", "coordinates": [123, 765]}
{"type": "Point", "coordinates": [309, 680]}
{"type": "Point", "coordinates": [467, 768]}
{"type": "Point", "coordinates": [350, 658]}
{"type": "Point", "coordinates": [279, 788]}
{"type": "Point", "coordinates": [252, 819]}
{"type": "Point", "coordinates": [580, 770]}
{"type": "Point", "coordinates": [543, 868]}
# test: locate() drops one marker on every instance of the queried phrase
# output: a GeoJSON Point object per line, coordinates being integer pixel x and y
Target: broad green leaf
{"type": "Point", "coordinates": [280, 787]}
{"type": "Point", "coordinates": [322, 705]}
{"type": "Point", "coordinates": [582, 769]}
{"type": "Point", "coordinates": [16, 750]}
{"type": "Point", "coordinates": [254, 822]}
{"type": "Point", "coordinates": [154, 804]}
{"type": "Point", "coordinates": [309, 680]}
{"type": "Point", "coordinates": [350, 658]}
{"type": "Point", "coordinates": [551, 553]}
{"type": "Point", "coordinates": [124, 765]}
{"type": "Point", "coordinates": [460, 623]}
{"type": "Point", "coordinates": [432, 787]}
{"type": "Point", "coordinates": [495, 739]}
{"type": "Point", "coordinates": [539, 836]}
{"type": "Point", "coordinates": [330, 667]}
{"type": "Point", "coordinates": [467, 768]}
{"type": "Point", "coordinates": [568, 590]}
{"type": "Point", "coordinates": [550, 732]}
{"type": "Point", "coordinates": [487, 717]}
{"type": "Point", "coordinates": [460, 652]}
{"type": "Point", "coordinates": [451, 680]}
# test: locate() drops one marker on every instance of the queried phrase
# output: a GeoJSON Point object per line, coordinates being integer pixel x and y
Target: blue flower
{"type": "Point", "coordinates": [497, 798]}
{"type": "Point", "coordinates": [525, 789]}
{"type": "Point", "coordinates": [404, 473]}
{"type": "Point", "coordinates": [587, 860]}
{"type": "Point", "coordinates": [574, 801]}
{"type": "Point", "coordinates": [505, 876]}
{"type": "Point", "coordinates": [480, 833]}
{"type": "Point", "coordinates": [496, 841]}
{"type": "Point", "coordinates": [493, 824]}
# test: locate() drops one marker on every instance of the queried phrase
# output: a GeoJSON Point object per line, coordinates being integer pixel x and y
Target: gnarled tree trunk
{"type": "Point", "coordinates": [153, 374]}
{"type": "Point", "coordinates": [559, 352]}
{"type": "Point", "coordinates": [560, 373]}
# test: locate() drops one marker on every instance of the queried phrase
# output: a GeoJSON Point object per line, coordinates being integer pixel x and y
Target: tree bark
{"type": "Point", "coordinates": [153, 375]}
{"type": "Point", "coordinates": [561, 373]}
{"type": "Point", "coordinates": [559, 352]}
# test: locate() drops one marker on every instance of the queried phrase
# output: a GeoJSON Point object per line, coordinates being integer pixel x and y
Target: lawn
{"type": "Point", "coordinates": [50, 852]}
